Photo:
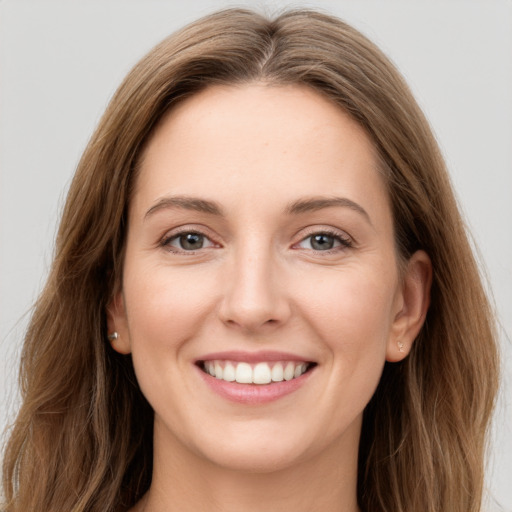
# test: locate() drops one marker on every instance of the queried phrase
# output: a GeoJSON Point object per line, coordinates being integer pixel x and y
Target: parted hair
{"type": "Point", "coordinates": [82, 440]}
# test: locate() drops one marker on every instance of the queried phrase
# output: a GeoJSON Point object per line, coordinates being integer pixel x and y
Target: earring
{"type": "Point", "coordinates": [113, 336]}
{"type": "Point", "coordinates": [400, 345]}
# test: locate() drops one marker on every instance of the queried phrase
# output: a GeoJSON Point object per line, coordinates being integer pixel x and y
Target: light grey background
{"type": "Point", "coordinates": [60, 62]}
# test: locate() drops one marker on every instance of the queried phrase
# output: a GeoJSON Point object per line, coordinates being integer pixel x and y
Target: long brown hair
{"type": "Point", "coordinates": [83, 438]}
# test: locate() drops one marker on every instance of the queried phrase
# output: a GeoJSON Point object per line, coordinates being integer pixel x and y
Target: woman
{"type": "Point", "coordinates": [263, 297]}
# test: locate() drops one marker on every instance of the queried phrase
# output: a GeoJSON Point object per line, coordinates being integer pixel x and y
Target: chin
{"type": "Point", "coordinates": [255, 458]}
{"type": "Point", "coordinates": [265, 447]}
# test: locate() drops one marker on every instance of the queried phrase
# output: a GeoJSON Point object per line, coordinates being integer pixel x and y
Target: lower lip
{"type": "Point", "coordinates": [254, 394]}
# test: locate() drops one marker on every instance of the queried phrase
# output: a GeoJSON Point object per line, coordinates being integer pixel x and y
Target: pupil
{"type": "Point", "coordinates": [322, 242]}
{"type": "Point", "coordinates": [191, 241]}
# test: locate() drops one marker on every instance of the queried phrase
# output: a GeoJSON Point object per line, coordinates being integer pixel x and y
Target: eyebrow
{"type": "Point", "coordinates": [297, 207]}
{"type": "Point", "coordinates": [318, 203]}
{"type": "Point", "coordinates": [186, 203]}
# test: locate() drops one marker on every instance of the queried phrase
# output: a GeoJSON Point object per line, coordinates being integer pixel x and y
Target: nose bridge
{"type": "Point", "coordinates": [253, 298]}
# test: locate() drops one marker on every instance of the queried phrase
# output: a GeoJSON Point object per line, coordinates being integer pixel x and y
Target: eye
{"type": "Point", "coordinates": [187, 241]}
{"type": "Point", "coordinates": [324, 241]}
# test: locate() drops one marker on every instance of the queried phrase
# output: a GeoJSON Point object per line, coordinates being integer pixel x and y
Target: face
{"type": "Point", "coordinates": [260, 295]}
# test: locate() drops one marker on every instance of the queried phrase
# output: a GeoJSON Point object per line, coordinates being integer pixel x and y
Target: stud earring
{"type": "Point", "coordinates": [113, 336]}
{"type": "Point", "coordinates": [400, 346]}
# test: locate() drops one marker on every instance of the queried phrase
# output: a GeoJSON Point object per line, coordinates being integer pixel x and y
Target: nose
{"type": "Point", "coordinates": [254, 298]}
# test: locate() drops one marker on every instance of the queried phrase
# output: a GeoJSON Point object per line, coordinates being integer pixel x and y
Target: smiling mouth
{"type": "Point", "coordinates": [259, 373]}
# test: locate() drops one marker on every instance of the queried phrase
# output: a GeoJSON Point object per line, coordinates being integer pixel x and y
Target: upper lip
{"type": "Point", "coordinates": [252, 357]}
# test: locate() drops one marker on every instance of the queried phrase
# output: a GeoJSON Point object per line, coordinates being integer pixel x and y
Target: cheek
{"type": "Point", "coordinates": [351, 309]}
{"type": "Point", "coordinates": [353, 319]}
{"type": "Point", "coordinates": [164, 307]}
{"type": "Point", "coordinates": [351, 313]}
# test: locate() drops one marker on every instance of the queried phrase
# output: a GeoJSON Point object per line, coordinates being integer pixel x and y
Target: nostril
{"type": "Point", "coordinates": [250, 323]}
{"type": "Point", "coordinates": [252, 303]}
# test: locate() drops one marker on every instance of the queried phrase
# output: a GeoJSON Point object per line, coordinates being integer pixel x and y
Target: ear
{"type": "Point", "coordinates": [116, 322]}
{"type": "Point", "coordinates": [411, 306]}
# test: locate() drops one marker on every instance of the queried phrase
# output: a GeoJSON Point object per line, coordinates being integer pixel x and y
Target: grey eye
{"type": "Point", "coordinates": [187, 241]}
{"type": "Point", "coordinates": [190, 241]}
{"type": "Point", "coordinates": [322, 242]}
{"type": "Point", "coordinates": [325, 242]}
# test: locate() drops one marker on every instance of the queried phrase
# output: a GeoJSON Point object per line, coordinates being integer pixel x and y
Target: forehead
{"type": "Point", "coordinates": [250, 139]}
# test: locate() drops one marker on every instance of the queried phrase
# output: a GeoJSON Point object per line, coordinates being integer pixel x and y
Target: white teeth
{"type": "Point", "coordinates": [261, 373]}
{"type": "Point", "coordinates": [289, 371]}
{"type": "Point", "coordinates": [243, 373]}
{"type": "Point", "coordinates": [277, 373]}
{"type": "Point", "coordinates": [229, 373]}
{"type": "Point", "coordinates": [299, 370]}
{"type": "Point", "coordinates": [218, 370]}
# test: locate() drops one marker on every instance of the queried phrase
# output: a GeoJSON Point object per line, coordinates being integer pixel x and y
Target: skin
{"type": "Point", "coordinates": [258, 283]}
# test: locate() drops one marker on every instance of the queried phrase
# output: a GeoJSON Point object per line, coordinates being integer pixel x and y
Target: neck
{"type": "Point", "coordinates": [183, 481]}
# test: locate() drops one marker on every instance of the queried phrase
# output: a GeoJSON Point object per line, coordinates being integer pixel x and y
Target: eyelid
{"type": "Point", "coordinates": [346, 240]}
{"type": "Point", "coordinates": [181, 230]}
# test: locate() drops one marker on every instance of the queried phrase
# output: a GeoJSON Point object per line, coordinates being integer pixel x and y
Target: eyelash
{"type": "Point", "coordinates": [166, 241]}
{"type": "Point", "coordinates": [345, 242]}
